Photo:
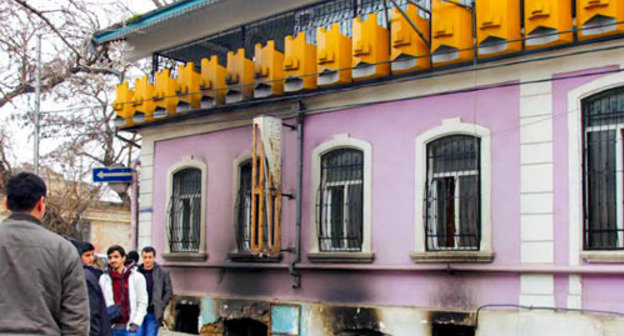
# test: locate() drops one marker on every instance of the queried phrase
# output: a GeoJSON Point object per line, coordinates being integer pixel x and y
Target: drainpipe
{"type": "Point", "coordinates": [134, 199]}
{"type": "Point", "coordinates": [299, 191]}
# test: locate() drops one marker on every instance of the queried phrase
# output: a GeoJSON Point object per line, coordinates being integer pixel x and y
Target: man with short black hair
{"type": "Point", "coordinates": [42, 272]}
{"type": "Point", "coordinates": [132, 258]}
{"type": "Point", "coordinates": [125, 288]}
{"type": "Point", "coordinates": [87, 253]}
{"type": "Point", "coordinates": [100, 324]}
{"type": "Point", "coordinates": [159, 291]}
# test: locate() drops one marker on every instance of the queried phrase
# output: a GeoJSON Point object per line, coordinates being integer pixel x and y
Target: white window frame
{"type": "Point", "coordinates": [453, 127]}
{"type": "Point", "coordinates": [575, 176]}
{"type": "Point", "coordinates": [236, 165]}
{"type": "Point", "coordinates": [366, 254]}
{"type": "Point", "coordinates": [196, 163]}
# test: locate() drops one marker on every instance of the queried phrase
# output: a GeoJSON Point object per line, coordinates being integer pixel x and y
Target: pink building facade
{"type": "Point", "coordinates": [487, 200]}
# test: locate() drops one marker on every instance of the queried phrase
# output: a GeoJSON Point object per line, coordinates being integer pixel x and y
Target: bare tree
{"type": "Point", "coordinates": [161, 3]}
{"type": "Point", "coordinates": [6, 157]}
{"type": "Point", "coordinates": [67, 201]}
{"type": "Point", "coordinates": [66, 28]}
{"type": "Point", "coordinates": [87, 132]}
{"type": "Point", "coordinates": [75, 74]}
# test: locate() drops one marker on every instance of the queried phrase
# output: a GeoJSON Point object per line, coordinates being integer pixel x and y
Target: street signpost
{"type": "Point", "coordinates": [112, 174]}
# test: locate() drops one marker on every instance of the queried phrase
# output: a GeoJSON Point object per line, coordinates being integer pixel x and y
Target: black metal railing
{"type": "Point", "coordinates": [603, 127]}
{"type": "Point", "coordinates": [452, 195]}
{"type": "Point", "coordinates": [183, 231]}
{"type": "Point", "coordinates": [339, 209]}
{"type": "Point", "coordinates": [305, 19]}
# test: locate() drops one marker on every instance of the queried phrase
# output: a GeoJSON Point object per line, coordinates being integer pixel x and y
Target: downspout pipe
{"type": "Point", "coordinates": [298, 195]}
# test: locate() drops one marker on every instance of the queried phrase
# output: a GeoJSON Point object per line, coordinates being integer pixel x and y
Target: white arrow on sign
{"type": "Point", "coordinates": [104, 174]}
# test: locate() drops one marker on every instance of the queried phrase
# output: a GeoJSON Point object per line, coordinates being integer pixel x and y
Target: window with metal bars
{"type": "Point", "coordinates": [603, 159]}
{"type": "Point", "coordinates": [185, 211]}
{"type": "Point", "coordinates": [340, 199]}
{"type": "Point", "coordinates": [243, 207]}
{"type": "Point", "coordinates": [452, 195]}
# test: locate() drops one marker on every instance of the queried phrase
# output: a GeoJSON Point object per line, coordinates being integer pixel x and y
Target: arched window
{"type": "Point", "coordinates": [453, 190]}
{"type": "Point", "coordinates": [603, 156]}
{"type": "Point", "coordinates": [184, 229]}
{"type": "Point", "coordinates": [340, 201]}
{"type": "Point", "coordinates": [452, 195]}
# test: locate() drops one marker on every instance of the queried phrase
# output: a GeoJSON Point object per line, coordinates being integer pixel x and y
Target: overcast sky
{"type": "Point", "coordinates": [22, 139]}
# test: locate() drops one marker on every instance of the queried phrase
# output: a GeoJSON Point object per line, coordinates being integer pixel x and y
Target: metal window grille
{"type": "Point", "coordinates": [452, 195]}
{"type": "Point", "coordinates": [160, 63]}
{"type": "Point", "coordinates": [185, 211]}
{"type": "Point", "coordinates": [603, 152]}
{"type": "Point", "coordinates": [340, 201]}
{"type": "Point", "coordinates": [306, 19]}
{"type": "Point", "coordinates": [243, 207]}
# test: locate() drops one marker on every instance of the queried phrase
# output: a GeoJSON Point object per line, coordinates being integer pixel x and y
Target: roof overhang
{"type": "Point", "coordinates": [188, 20]}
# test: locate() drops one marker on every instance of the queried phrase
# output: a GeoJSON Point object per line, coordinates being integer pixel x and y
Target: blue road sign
{"type": "Point", "coordinates": [106, 174]}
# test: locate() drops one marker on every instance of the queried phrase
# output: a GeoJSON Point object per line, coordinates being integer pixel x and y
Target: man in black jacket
{"type": "Point", "coordinates": [159, 291]}
{"type": "Point", "coordinates": [100, 324]}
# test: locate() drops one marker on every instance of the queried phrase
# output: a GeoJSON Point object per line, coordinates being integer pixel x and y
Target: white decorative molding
{"type": "Point", "coordinates": [342, 141]}
{"type": "Point", "coordinates": [189, 162]}
{"type": "Point", "coordinates": [453, 127]}
{"type": "Point", "coordinates": [575, 175]}
{"type": "Point", "coordinates": [536, 192]}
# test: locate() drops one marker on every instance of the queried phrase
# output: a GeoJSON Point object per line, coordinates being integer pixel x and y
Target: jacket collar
{"type": "Point", "coordinates": [20, 216]}
{"type": "Point", "coordinates": [156, 266]}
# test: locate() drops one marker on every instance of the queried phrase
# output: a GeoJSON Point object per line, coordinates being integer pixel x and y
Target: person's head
{"type": "Point", "coordinates": [87, 253]}
{"type": "Point", "coordinates": [25, 194]}
{"type": "Point", "coordinates": [116, 257]}
{"type": "Point", "coordinates": [132, 257]}
{"type": "Point", "coordinates": [149, 257]}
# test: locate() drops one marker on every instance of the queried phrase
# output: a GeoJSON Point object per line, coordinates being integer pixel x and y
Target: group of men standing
{"type": "Point", "coordinates": [49, 289]}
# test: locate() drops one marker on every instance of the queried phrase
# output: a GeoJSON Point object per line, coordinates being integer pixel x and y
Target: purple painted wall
{"type": "Point", "coordinates": [391, 129]}
{"type": "Point", "coordinates": [599, 292]}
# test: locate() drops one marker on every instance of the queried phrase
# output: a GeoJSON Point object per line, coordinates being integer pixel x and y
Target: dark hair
{"type": "Point", "coordinates": [133, 256]}
{"type": "Point", "coordinates": [77, 244]}
{"type": "Point", "coordinates": [24, 190]}
{"type": "Point", "coordinates": [86, 247]}
{"type": "Point", "coordinates": [149, 249]}
{"type": "Point", "coordinates": [117, 248]}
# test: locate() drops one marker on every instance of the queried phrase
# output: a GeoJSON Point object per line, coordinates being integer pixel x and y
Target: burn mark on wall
{"type": "Point", "coordinates": [238, 318]}
{"type": "Point", "coordinates": [349, 321]}
{"type": "Point", "coordinates": [453, 293]}
{"type": "Point", "coordinates": [455, 318]}
{"type": "Point", "coordinates": [243, 282]}
{"type": "Point", "coordinates": [347, 288]}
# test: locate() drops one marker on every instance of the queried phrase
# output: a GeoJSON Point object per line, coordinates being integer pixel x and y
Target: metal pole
{"type": "Point", "coordinates": [298, 195]}
{"type": "Point", "coordinates": [37, 104]}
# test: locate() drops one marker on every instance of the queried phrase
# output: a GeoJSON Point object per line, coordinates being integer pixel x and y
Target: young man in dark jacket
{"type": "Point", "coordinates": [159, 291]}
{"type": "Point", "coordinates": [100, 324]}
{"type": "Point", "coordinates": [42, 288]}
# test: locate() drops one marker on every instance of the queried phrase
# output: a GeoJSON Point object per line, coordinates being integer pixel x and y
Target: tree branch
{"type": "Point", "coordinates": [45, 19]}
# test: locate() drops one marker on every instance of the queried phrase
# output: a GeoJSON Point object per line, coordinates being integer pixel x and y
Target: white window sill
{"type": "Point", "coordinates": [603, 256]}
{"type": "Point", "coordinates": [452, 256]}
{"type": "Point", "coordinates": [250, 257]}
{"type": "Point", "coordinates": [185, 256]}
{"type": "Point", "coordinates": [341, 257]}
